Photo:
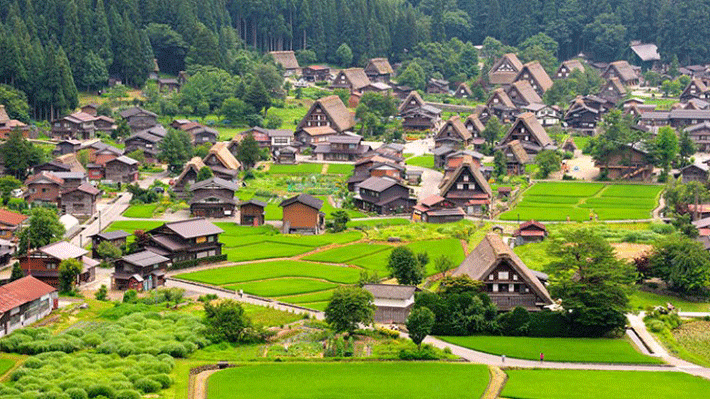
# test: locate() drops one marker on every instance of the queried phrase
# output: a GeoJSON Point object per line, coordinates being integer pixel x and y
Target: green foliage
{"type": "Point", "coordinates": [69, 270]}
{"type": "Point", "coordinates": [349, 307]}
{"type": "Point", "coordinates": [404, 265]}
{"type": "Point", "coordinates": [102, 293]}
{"type": "Point", "coordinates": [15, 102]}
{"type": "Point", "coordinates": [594, 285]}
{"type": "Point", "coordinates": [419, 324]}
{"type": "Point", "coordinates": [413, 76]}
{"type": "Point", "coordinates": [226, 321]}
{"type": "Point", "coordinates": [108, 251]}
{"type": "Point", "coordinates": [43, 228]}
{"type": "Point", "coordinates": [248, 152]}
{"type": "Point", "coordinates": [682, 263]}
{"type": "Point", "coordinates": [17, 272]}
{"type": "Point", "coordinates": [494, 130]}
{"type": "Point", "coordinates": [459, 312]}
{"type": "Point", "coordinates": [19, 155]}
{"type": "Point", "coordinates": [548, 161]}
{"type": "Point", "coordinates": [340, 220]}
{"type": "Point", "coordinates": [176, 149]}
{"type": "Point", "coordinates": [500, 164]}
{"type": "Point", "coordinates": [204, 173]}
{"type": "Point", "coordinates": [450, 285]}
{"type": "Point", "coordinates": [344, 55]}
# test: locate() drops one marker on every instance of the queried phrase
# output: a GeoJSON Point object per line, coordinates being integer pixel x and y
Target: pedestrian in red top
{"type": "Point", "coordinates": [542, 357]}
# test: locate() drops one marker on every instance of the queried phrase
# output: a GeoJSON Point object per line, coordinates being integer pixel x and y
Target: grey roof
{"type": "Point", "coordinates": [689, 114]}
{"type": "Point", "coordinates": [70, 175]}
{"type": "Point", "coordinates": [135, 111]}
{"type": "Point", "coordinates": [112, 235]}
{"type": "Point", "coordinates": [125, 159]}
{"type": "Point", "coordinates": [195, 227]}
{"type": "Point", "coordinates": [698, 126]}
{"type": "Point", "coordinates": [345, 139]}
{"type": "Point", "coordinates": [144, 258]}
{"type": "Point", "coordinates": [254, 202]}
{"type": "Point", "coordinates": [701, 166]}
{"type": "Point", "coordinates": [305, 199]}
{"type": "Point", "coordinates": [377, 184]}
{"type": "Point", "coordinates": [443, 150]}
{"type": "Point", "coordinates": [63, 250]}
{"type": "Point", "coordinates": [646, 52]}
{"type": "Point", "coordinates": [662, 115]}
{"type": "Point", "coordinates": [702, 223]}
{"type": "Point", "coordinates": [147, 136]}
{"type": "Point", "coordinates": [391, 291]}
{"type": "Point", "coordinates": [215, 180]}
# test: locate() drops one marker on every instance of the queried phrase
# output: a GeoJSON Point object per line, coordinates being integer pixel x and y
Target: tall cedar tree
{"type": "Point", "coordinates": [20, 155]}
{"type": "Point", "coordinates": [405, 266]}
{"type": "Point", "coordinates": [248, 152]}
{"type": "Point", "coordinates": [348, 308]}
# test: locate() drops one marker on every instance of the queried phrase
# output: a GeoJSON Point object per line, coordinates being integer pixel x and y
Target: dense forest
{"type": "Point", "coordinates": [52, 47]}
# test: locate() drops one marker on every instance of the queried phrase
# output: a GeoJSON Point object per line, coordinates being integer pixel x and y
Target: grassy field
{"type": "Point", "coordinates": [264, 250]}
{"type": "Point", "coordinates": [553, 201]}
{"type": "Point", "coordinates": [425, 161]}
{"type": "Point", "coordinates": [694, 337]}
{"type": "Point", "coordinates": [144, 211]}
{"type": "Point", "coordinates": [328, 209]}
{"type": "Point", "coordinates": [290, 116]}
{"type": "Point", "coordinates": [643, 299]}
{"type": "Point", "coordinates": [281, 287]}
{"type": "Point", "coordinates": [581, 141]}
{"type": "Point", "coordinates": [339, 169]}
{"type": "Point", "coordinates": [300, 169]}
{"type": "Point", "coordinates": [272, 270]}
{"type": "Point", "coordinates": [578, 384]}
{"type": "Point", "coordinates": [450, 247]}
{"type": "Point", "coordinates": [588, 350]}
{"type": "Point", "coordinates": [129, 226]}
{"type": "Point", "coordinates": [5, 365]}
{"type": "Point", "coordinates": [378, 222]}
{"type": "Point", "coordinates": [347, 253]}
{"type": "Point", "coordinates": [356, 380]}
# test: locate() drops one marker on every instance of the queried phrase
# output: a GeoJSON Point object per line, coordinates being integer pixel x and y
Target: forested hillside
{"type": "Point", "coordinates": [52, 47]}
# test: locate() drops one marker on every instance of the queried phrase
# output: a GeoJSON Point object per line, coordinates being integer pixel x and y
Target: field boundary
{"type": "Point", "coordinates": [495, 384]}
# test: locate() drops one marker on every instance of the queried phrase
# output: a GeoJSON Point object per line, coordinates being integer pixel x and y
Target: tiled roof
{"type": "Point", "coordinates": [10, 218]}
{"type": "Point", "coordinates": [21, 291]}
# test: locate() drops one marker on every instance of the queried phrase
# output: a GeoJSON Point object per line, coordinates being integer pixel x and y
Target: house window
{"type": "Point", "coordinates": [503, 287]}
{"type": "Point", "coordinates": [503, 275]}
{"type": "Point", "coordinates": [491, 276]}
{"type": "Point", "coordinates": [515, 277]}
{"type": "Point", "coordinates": [51, 266]}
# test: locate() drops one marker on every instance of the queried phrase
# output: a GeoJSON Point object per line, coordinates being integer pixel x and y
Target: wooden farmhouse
{"type": "Point", "coordinates": [383, 195]}
{"type": "Point", "coordinates": [696, 89]}
{"type": "Point", "coordinates": [521, 93]}
{"type": "Point", "coordinates": [10, 223]}
{"type": "Point", "coordinates": [301, 214]}
{"type": "Point", "coordinates": [379, 70]}
{"type": "Point", "coordinates": [515, 158]}
{"type": "Point", "coordinates": [437, 86]}
{"type": "Point", "coordinates": [463, 91]}
{"type": "Point", "coordinates": [43, 263]}
{"type": "Point", "coordinates": [476, 127]}
{"type": "Point", "coordinates": [530, 133]}
{"type": "Point", "coordinates": [700, 134]}
{"type": "Point", "coordinates": [468, 188]}
{"type": "Point", "coordinates": [453, 133]}
{"type": "Point", "coordinates": [583, 116]}
{"type": "Point", "coordinates": [500, 105]}
{"type": "Point", "coordinates": [140, 271]}
{"type": "Point", "coordinates": [547, 115]}
{"type": "Point", "coordinates": [185, 240]}
{"type": "Point", "coordinates": [316, 73]}
{"type": "Point", "coordinates": [327, 117]}
{"type": "Point", "coordinates": [8, 125]}
{"type": "Point", "coordinates": [694, 172]}
{"type": "Point", "coordinates": [188, 176]}
{"type": "Point", "coordinates": [146, 142]}
{"type": "Point", "coordinates": [505, 70]}
{"type": "Point", "coordinates": [613, 90]}
{"type": "Point", "coordinates": [567, 67]}
{"type": "Point", "coordinates": [622, 70]}
{"type": "Point", "coordinates": [44, 187]}
{"type": "Point", "coordinates": [426, 117]}
{"type": "Point", "coordinates": [139, 118]}
{"type": "Point", "coordinates": [353, 79]}
{"type": "Point", "coordinates": [344, 148]}
{"type": "Point", "coordinates": [627, 163]}
{"type": "Point", "coordinates": [287, 60]}
{"type": "Point", "coordinates": [222, 163]}
{"type": "Point", "coordinates": [251, 213]}
{"type": "Point", "coordinates": [78, 125]}
{"type": "Point", "coordinates": [535, 74]}
{"type": "Point", "coordinates": [437, 209]}
{"type": "Point", "coordinates": [509, 283]}
{"type": "Point", "coordinates": [213, 198]}
{"type": "Point", "coordinates": [79, 201]}
{"type": "Point", "coordinates": [393, 303]}
{"type": "Point", "coordinates": [25, 301]}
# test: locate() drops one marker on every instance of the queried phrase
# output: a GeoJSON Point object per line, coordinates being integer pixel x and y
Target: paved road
{"type": "Point", "coordinates": [430, 182]}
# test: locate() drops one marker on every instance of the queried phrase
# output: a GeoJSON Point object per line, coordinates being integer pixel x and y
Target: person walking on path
{"type": "Point", "coordinates": [542, 357]}
{"type": "Point", "coordinates": [502, 359]}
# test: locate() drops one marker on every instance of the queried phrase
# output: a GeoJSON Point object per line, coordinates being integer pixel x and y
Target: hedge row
{"type": "Point", "coordinates": [194, 262]}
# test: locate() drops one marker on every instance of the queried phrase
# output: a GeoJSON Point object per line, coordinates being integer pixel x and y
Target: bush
{"type": "Point", "coordinates": [130, 296]}
{"type": "Point", "coordinates": [101, 390]}
{"type": "Point", "coordinates": [128, 394]}
{"type": "Point", "coordinates": [656, 326]}
{"type": "Point", "coordinates": [164, 380]}
{"type": "Point", "coordinates": [195, 262]}
{"type": "Point", "coordinates": [514, 323]}
{"type": "Point", "coordinates": [548, 324]}
{"type": "Point", "coordinates": [147, 385]}
{"type": "Point", "coordinates": [426, 353]}
{"type": "Point", "coordinates": [77, 393]}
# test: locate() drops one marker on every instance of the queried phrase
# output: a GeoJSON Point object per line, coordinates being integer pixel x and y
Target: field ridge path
{"type": "Point", "coordinates": [496, 383]}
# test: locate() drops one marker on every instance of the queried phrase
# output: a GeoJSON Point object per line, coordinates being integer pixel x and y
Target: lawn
{"type": "Point", "coordinates": [233, 229]}
{"type": "Point", "coordinates": [352, 380]}
{"type": "Point", "coordinates": [282, 286]}
{"type": "Point", "coordinates": [643, 299]}
{"type": "Point", "coordinates": [450, 247]}
{"type": "Point", "coordinates": [273, 269]}
{"type": "Point", "coordinates": [378, 222]}
{"type": "Point", "coordinates": [424, 161]}
{"type": "Point", "coordinates": [328, 209]}
{"type": "Point", "coordinates": [347, 253]}
{"type": "Point", "coordinates": [320, 296]}
{"type": "Point", "coordinates": [339, 169]}
{"type": "Point", "coordinates": [587, 350]}
{"type": "Point", "coordinates": [5, 365]}
{"type": "Point", "coordinates": [265, 250]}
{"type": "Point", "coordinates": [228, 133]}
{"type": "Point", "coordinates": [584, 384]}
{"type": "Point", "coordinates": [290, 116]}
{"type": "Point", "coordinates": [535, 256]}
{"type": "Point", "coordinates": [143, 211]}
{"type": "Point", "coordinates": [581, 142]}
{"type": "Point", "coordinates": [300, 169]}
{"type": "Point", "coordinates": [129, 226]}
{"type": "Point", "coordinates": [556, 201]}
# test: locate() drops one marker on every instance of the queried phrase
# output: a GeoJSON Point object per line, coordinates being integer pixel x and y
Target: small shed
{"type": "Point", "coordinates": [529, 232]}
{"type": "Point", "coordinates": [392, 302]}
{"type": "Point", "coordinates": [251, 213]}
{"type": "Point", "coordinates": [504, 192]}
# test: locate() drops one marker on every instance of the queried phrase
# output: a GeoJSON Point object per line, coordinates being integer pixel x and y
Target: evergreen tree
{"type": "Point", "coordinates": [257, 96]}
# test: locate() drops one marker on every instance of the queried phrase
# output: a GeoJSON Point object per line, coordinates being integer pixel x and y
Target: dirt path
{"type": "Point", "coordinates": [198, 389]}
{"type": "Point", "coordinates": [324, 169]}
{"type": "Point", "coordinates": [496, 384]}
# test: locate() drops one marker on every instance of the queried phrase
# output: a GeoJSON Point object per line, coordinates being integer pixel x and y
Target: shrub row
{"type": "Point", "coordinates": [195, 262]}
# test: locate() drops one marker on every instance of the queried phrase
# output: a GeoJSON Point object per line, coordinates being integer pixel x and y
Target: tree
{"type": "Point", "coordinates": [413, 76]}
{"type": "Point", "coordinates": [235, 110]}
{"type": "Point", "coordinates": [122, 129]}
{"type": "Point", "coordinates": [493, 131]}
{"type": "Point", "coordinates": [169, 47]}
{"type": "Point", "coordinates": [176, 149]}
{"type": "Point", "coordinates": [92, 72]}
{"type": "Point", "coordinates": [15, 102]}
{"type": "Point", "coordinates": [273, 121]}
{"type": "Point", "coordinates": [7, 184]}
{"type": "Point", "coordinates": [69, 270]}
{"type": "Point", "coordinates": [459, 284]}
{"type": "Point", "coordinates": [500, 164]}
{"type": "Point", "coordinates": [226, 321]}
{"type": "Point", "coordinates": [344, 95]}
{"type": "Point", "coordinates": [248, 152]}
{"type": "Point", "coordinates": [17, 272]}
{"type": "Point", "coordinates": [349, 307]}
{"type": "Point", "coordinates": [617, 133]}
{"type": "Point", "coordinates": [594, 285]}
{"type": "Point", "coordinates": [19, 155]}
{"type": "Point", "coordinates": [344, 55]}
{"type": "Point", "coordinates": [204, 173]}
{"type": "Point", "coordinates": [108, 251]}
{"type": "Point", "coordinates": [664, 149]}
{"type": "Point", "coordinates": [43, 228]}
{"type": "Point", "coordinates": [686, 146]}
{"type": "Point", "coordinates": [419, 324]}
{"type": "Point", "coordinates": [682, 263]}
{"type": "Point", "coordinates": [548, 161]}
{"type": "Point", "coordinates": [340, 220]}
{"type": "Point", "coordinates": [405, 267]}
{"type": "Point", "coordinates": [443, 264]}
{"type": "Point", "coordinates": [257, 96]}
